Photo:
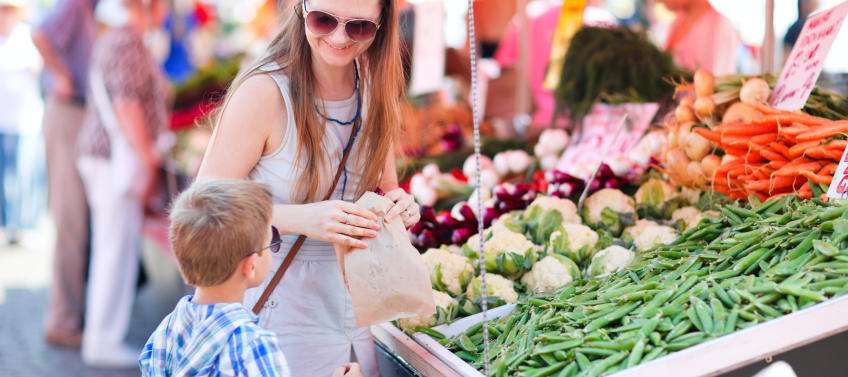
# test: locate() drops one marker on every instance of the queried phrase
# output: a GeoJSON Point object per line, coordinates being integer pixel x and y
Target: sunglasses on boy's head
{"type": "Point", "coordinates": [275, 242]}
{"type": "Point", "coordinates": [323, 23]}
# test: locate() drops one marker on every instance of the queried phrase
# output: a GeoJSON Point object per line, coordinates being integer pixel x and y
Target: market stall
{"type": "Point", "coordinates": [715, 251]}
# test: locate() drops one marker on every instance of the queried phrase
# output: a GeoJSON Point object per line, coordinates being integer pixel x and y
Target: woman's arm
{"type": "Point", "coordinates": [389, 180]}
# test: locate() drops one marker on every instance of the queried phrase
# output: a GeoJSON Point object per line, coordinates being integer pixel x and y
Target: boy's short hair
{"type": "Point", "coordinates": [215, 224]}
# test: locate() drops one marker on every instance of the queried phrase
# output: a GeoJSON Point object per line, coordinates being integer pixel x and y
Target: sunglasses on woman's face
{"type": "Point", "coordinates": [323, 23]}
{"type": "Point", "coordinates": [275, 242]}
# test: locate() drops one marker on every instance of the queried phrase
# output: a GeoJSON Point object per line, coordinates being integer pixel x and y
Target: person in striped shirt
{"type": "Point", "coordinates": [214, 235]}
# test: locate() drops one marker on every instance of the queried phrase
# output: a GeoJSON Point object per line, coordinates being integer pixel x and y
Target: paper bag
{"type": "Point", "coordinates": [388, 280]}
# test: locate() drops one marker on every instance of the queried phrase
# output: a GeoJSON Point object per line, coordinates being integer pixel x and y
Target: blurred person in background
{"type": "Point", "coordinates": [542, 18]}
{"type": "Point", "coordinates": [805, 8]}
{"type": "Point", "coordinates": [700, 37]}
{"type": "Point", "coordinates": [64, 39]}
{"type": "Point", "coordinates": [118, 161]}
{"type": "Point", "coordinates": [20, 106]}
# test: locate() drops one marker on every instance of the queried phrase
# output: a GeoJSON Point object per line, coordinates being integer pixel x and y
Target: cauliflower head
{"type": "Point", "coordinates": [565, 207]}
{"type": "Point", "coordinates": [550, 273]}
{"type": "Point", "coordinates": [449, 272]}
{"type": "Point", "coordinates": [576, 241]}
{"type": "Point", "coordinates": [505, 252]}
{"type": "Point", "coordinates": [611, 259]}
{"type": "Point", "coordinates": [496, 286]}
{"type": "Point", "coordinates": [606, 208]}
{"type": "Point", "coordinates": [655, 192]}
{"type": "Point", "coordinates": [446, 309]}
{"type": "Point", "coordinates": [647, 234]}
{"type": "Point", "coordinates": [689, 217]}
{"type": "Point", "coordinates": [545, 214]}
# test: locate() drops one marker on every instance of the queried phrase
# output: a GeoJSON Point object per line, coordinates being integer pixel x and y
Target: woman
{"type": "Point", "coordinates": [286, 121]}
{"type": "Point", "coordinates": [118, 160]}
{"type": "Point", "coordinates": [700, 37]}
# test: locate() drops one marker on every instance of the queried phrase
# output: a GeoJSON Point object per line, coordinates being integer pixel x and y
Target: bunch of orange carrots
{"type": "Point", "coordinates": [777, 154]}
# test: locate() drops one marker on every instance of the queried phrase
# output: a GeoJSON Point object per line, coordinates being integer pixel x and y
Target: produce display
{"type": "Point", "coordinates": [749, 265]}
{"type": "Point", "coordinates": [550, 243]}
{"type": "Point", "coordinates": [732, 142]}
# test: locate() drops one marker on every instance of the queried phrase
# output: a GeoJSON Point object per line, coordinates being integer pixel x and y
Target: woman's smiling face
{"type": "Point", "coordinates": [337, 48]}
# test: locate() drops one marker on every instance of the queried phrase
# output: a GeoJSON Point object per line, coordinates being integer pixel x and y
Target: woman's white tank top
{"type": "Point", "coordinates": [279, 168]}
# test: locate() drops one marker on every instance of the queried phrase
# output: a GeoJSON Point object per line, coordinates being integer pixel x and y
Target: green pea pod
{"type": "Point", "coordinates": [678, 330]}
{"type": "Point", "coordinates": [605, 364]}
{"type": "Point", "coordinates": [563, 346]}
{"type": "Point", "coordinates": [582, 361]}
{"type": "Point", "coordinates": [474, 329]}
{"type": "Point", "coordinates": [430, 332]}
{"type": "Point", "coordinates": [804, 246]}
{"type": "Point", "coordinates": [703, 313]}
{"type": "Point", "coordinates": [718, 315]}
{"type": "Point", "coordinates": [467, 344]}
{"type": "Point", "coordinates": [655, 353]}
{"type": "Point", "coordinates": [825, 248]}
{"type": "Point", "coordinates": [637, 352]}
{"type": "Point", "coordinates": [570, 370]}
{"type": "Point", "coordinates": [692, 314]}
{"type": "Point", "coordinates": [800, 292]}
{"type": "Point", "coordinates": [595, 351]}
{"type": "Point", "coordinates": [611, 317]}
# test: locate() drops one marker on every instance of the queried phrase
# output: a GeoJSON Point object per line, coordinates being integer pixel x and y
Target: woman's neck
{"type": "Point", "coordinates": [333, 83]}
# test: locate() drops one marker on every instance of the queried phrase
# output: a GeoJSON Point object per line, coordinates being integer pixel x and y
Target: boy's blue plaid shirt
{"type": "Point", "coordinates": [212, 340]}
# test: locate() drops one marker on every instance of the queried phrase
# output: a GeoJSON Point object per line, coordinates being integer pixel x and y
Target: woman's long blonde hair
{"type": "Point", "coordinates": [383, 82]}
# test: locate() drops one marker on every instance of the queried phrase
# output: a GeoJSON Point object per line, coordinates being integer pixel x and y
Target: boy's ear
{"type": "Point", "coordinates": [248, 266]}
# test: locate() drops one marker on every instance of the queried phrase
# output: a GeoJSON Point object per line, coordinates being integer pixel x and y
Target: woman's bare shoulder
{"type": "Point", "coordinates": [256, 103]}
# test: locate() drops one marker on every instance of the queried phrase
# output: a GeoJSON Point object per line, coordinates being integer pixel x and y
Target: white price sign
{"type": "Point", "coordinates": [805, 62]}
{"type": "Point", "coordinates": [839, 185]}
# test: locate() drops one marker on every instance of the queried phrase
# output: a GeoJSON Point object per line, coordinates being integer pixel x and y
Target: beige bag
{"type": "Point", "coordinates": [388, 280]}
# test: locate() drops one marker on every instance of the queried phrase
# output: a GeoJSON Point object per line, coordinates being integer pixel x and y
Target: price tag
{"type": "Point", "coordinates": [839, 185]}
{"type": "Point", "coordinates": [805, 62]}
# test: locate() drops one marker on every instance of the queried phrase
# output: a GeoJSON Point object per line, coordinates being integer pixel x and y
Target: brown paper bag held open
{"type": "Point", "coordinates": [388, 280]}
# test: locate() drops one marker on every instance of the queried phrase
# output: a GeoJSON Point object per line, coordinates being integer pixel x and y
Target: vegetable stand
{"type": "Point", "coordinates": [761, 343]}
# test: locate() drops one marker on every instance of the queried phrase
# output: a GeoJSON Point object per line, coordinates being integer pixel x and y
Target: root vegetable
{"type": "Point", "coordinates": [683, 132]}
{"type": "Point", "coordinates": [696, 174]}
{"type": "Point", "coordinates": [683, 114]}
{"type": "Point", "coordinates": [687, 101]}
{"type": "Point", "coordinates": [678, 164]}
{"type": "Point", "coordinates": [709, 164]}
{"type": "Point", "coordinates": [696, 147]}
{"type": "Point", "coordinates": [704, 107]}
{"type": "Point", "coordinates": [740, 112]}
{"type": "Point", "coordinates": [703, 83]}
{"type": "Point", "coordinates": [755, 90]}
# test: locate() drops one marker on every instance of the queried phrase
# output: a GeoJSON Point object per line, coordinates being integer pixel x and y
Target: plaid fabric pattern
{"type": "Point", "coordinates": [212, 340]}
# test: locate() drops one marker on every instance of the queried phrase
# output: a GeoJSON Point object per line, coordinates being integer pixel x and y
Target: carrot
{"type": "Point", "coordinates": [789, 118]}
{"type": "Point", "coordinates": [823, 153]}
{"type": "Point", "coordinates": [736, 151]}
{"type": "Point", "coordinates": [781, 148]}
{"type": "Point", "coordinates": [837, 144]}
{"type": "Point", "coordinates": [793, 170]}
{"type": "Point", "coordinates": [744, 129]}
{"type": "Point", "coordinates": [708, 134]}
{"type": "Point", "coordinates": [771, 155]}
{"type": "Point", "coordinates": [764, 138]}
{"type": "Point", "coordinates": [825, 131]}
{"type": "Point", "coordinates": [766, 109]}
{"type": "Point", "coordinates": [777, 164]}
{"type": "Point", "coordinates": [798, 150]}
{"type": "Point", "coordinates": [829, 169]}
{"type": "Point", "coordinates": [763, 197]}
{"type": "Point", "coordinates": [816, 178]}
{"type": "Point", "coordinates": [794, 130]}
{"type": "Point", "coordinates": [739, 195]}
{"type": "Point", "coordinates": [806, 192]}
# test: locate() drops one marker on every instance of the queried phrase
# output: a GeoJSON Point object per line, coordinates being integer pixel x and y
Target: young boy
{"type": "Point", "coordinates": [216, 235]}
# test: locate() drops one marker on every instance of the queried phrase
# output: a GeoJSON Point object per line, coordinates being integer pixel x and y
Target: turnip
{"type": "Point", "coordinates": [696, 174]}
{"type": "Point", "coordinates": [684, 114]}
{"type": "Point", "coordinates": [704, 107]}
{"type": "Point", "coordinates": [703, 83]}
{"type": "Point", "coordinates": [755, 90]}
{"type": "Point", "coordinates": [709, 164]}
{"type": "Point", "coordinates": [696, 146]}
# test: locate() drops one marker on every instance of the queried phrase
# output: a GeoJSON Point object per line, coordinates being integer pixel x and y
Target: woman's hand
{"type": "Point", "coordinates": [405, 207]}
{"type": "Point", "coordinates": [338, 222]}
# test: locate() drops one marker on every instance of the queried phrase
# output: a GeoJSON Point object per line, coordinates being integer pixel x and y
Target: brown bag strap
{"type": "Point", "coordinates": [297, 244]}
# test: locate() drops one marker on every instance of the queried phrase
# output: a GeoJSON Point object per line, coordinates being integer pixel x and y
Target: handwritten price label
{"type": "Point", "coordinates": [839, 185]}
{"type": "Point", "coordinates": [805, 62]}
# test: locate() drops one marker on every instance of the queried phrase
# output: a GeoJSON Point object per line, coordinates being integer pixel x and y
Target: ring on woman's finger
{"type": "Point", "coordinates": [347, 219]}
